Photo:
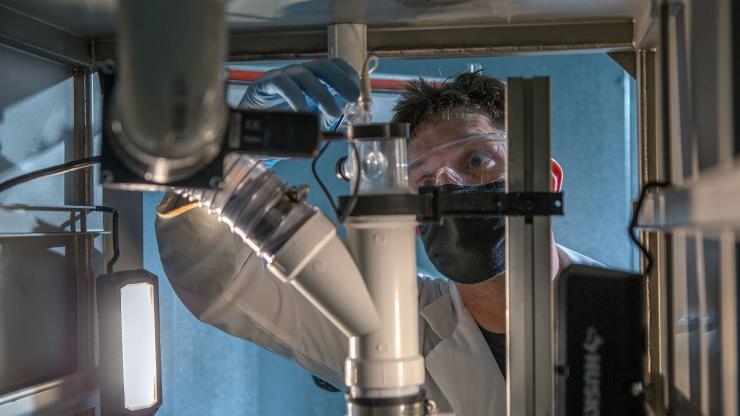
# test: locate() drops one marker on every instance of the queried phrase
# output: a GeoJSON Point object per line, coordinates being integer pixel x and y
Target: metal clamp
{"type": "Point", "coordinates": [431, 205]}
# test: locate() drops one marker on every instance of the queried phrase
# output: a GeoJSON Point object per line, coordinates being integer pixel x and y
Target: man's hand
{"type": "Point", "coordinates": [306, 87]}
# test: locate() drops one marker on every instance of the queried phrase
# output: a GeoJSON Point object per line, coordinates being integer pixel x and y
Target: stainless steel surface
{"type": "Point", "coordinates": [167, 124]}
{"type": "Point", "coordinates": [50, 208]}
{"type": "Point", "coordinates": [711, 55]}
{"type": "Point", "coordinates": [262, 29]}
{"type": "Point", "coordinates": [88, 233]}
{"type": "Point", "coordinates": [80, 33]}
{"type": "Point", "coordinates": [349, 42]}
{"type": "Point", "coordinates": [415, 409]}
{"type": "Point", "coordinates": [51, 220]}
{"type": "Point", "coordinates": [79, 191]}
{"type": "Point", "coordinates": [611, 34]}
{"type": "Point", "coordinates": [448, 40]}
{"type": "Point", "coordinates": [652, 166]}
{"type": "Point", "coordinates": [70, 395]}
{"type": "Point", "coordinates": [646, 27]}
{"type": "Point", "coordinates": [96, 18]}
{"type": "Point", "coordinates": [530, 340]}
{"type": "Point", "coordinates": [709, 202]}
{"type": "Point", "coordinates": [729, 320]}
{"type": "Point", "coordinates": [40, 38]}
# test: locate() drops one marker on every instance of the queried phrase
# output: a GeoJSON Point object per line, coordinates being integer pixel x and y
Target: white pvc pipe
{"type": "Point", "coordinates": [315, 262]}
{"type": "Point", "coordinates": [386, 361]}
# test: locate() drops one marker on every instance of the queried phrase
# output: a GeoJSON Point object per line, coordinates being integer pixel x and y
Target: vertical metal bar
{"type": "Point", "coordinates": [658, 167]}
{"type": "Point", "coordinates": [653, 164]}
{"type": "Point", "coordinates": [349, 42]}
{"type": "Point", "coordinates": [685, 143]}
{"type": "Point", "coordinates": [701, 332]}
{"type": "Point", "coordinates": [79, 191]}
{"type": "Point", "coordinates": [542, 246]}
{"type": "Point", "coordinates": [530, 347]}
{"type": "Point", "coordinates": [729, 323]}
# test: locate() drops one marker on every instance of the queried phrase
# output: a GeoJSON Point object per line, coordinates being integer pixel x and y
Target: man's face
{"type": "Point", "coordinates": [437, 155]}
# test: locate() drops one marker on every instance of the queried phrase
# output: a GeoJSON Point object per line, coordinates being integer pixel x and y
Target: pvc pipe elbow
{"type": "Point", "coordinates": [316, 262]}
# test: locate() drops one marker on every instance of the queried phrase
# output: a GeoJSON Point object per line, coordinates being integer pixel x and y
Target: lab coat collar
{"type": "Point", "coordinates": [461, 364]}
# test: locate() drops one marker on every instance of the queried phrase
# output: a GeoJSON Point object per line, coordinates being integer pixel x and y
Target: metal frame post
{"type": "Point", "coordinates": [349, 42]}
{"type": "Point", "coordinates": [529, 304]}
{"type": "Point", "coordinates": [79, 191]}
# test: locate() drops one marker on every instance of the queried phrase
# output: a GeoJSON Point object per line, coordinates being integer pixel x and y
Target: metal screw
{"type": "Point", "coordinates": [298, 193]}
{"type": "Point", "coordinates": [430, 406]}
{"type": "Point", "coordinates": [106, 176]}
{"type": "Point", "coordinates": [216, 182]}
{"type": "Point", "coordinates": [107, 66]}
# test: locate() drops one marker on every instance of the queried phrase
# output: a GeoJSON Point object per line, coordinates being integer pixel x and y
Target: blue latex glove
{"type": "Point", "coordinates": [325, 85]}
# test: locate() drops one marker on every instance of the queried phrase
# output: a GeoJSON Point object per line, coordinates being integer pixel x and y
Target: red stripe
{"type": "Point", "coordinates": [376, 83]}
{"type": "Point", "coordinates": [239, 75]}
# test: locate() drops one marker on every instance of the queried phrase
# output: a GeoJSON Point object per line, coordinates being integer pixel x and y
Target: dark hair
{"type": "Point", "coordinates": [425, 102]}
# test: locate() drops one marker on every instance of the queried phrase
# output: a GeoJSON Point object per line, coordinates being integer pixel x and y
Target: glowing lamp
{"type": "Point", "coordinates": [128, 314]}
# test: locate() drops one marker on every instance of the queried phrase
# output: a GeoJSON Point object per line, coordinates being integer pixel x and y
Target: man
{"type": "Point", "coordinates": [457, 143]}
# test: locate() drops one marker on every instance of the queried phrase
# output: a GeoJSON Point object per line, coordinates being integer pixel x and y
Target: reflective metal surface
{"type": "Point", "coordinates": [421, 408]}
{"type": "Point", "coordinates": [95, 18]}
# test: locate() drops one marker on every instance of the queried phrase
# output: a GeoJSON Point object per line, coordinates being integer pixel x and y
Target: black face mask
{"type": "Point", "coordinates": [465, 249]}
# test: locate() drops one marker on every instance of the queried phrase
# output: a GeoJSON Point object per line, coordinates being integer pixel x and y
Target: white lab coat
{"type": "Point", "coordinates": [222, 283]}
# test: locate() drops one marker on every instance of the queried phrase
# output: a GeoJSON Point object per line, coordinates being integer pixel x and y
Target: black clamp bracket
{"type": "Point", "coordinates": [431, 205]}
{"type": "Point", "coordinates": [268, 133]}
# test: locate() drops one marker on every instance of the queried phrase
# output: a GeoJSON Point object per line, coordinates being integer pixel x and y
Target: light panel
{"type": "Point", "coordinates": [139, 348]}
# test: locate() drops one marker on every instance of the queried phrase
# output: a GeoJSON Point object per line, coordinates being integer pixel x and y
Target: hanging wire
{"type": "Point", "coordinates": [114, 236]}
{"type": "Point", "coordinates": [70, 167]}
{"type": "Point", "coordinates": [633, 223]}
{"type": "Point", "coordinates": [341, 214]}
{"type": "Point", "coordinates": [50, 171]}
{"type": "Point", "coordinates": [357, 113]}
{"type": "Point", "coordinates": [355, 188]}
{"type": "Point", "coordinates": [315, 172]}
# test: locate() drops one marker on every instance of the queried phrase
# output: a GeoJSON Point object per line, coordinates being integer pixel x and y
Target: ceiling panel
{"type": "Point", "coordinates": [96, 18]}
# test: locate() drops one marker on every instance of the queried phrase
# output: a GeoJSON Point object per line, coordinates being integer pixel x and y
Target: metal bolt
{"type": "Point", "coordinates": [216, 182]}
{"type": "Point", "coordinates": [106, 176]}
{"type": "Point", "coordinates": [298, 193]}
{"type": "Point", "coordinates": [430, 407]}
{"type": "Point", "coordinates": [107, 66]}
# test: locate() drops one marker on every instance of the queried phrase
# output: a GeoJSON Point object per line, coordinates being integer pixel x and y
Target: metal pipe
{"type": "Point", "coordinates": [298, 244]}
{"type": "Point", "coordinates": [169, 111]}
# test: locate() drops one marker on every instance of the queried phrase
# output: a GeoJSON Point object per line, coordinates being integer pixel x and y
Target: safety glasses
{"type": "Point", "coordinates": [472, 160]}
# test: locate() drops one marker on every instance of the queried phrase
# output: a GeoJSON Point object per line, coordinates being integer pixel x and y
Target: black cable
{"type": "Point", "coordinates": [315, 172]}
{"type": "Point", "coordinates": [70, 167]}
{"type": "Point", "coordinates": [114, 236]}
{"type": "Point", "coordinates": [356, 188]}
{"type": "Point", "coordinates": [50, 171]}
{"type": "Point", "coordinates": [633, 223]}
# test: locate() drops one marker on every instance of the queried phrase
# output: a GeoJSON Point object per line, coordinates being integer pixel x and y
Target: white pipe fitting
{"type": "Point", "coordinates": [386, 362]}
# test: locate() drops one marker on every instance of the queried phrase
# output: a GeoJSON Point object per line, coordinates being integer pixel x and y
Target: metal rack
{"type": "Point", "coordinates": [77, 223]}
{"type": "Point", "coordinates": [628, 31]}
